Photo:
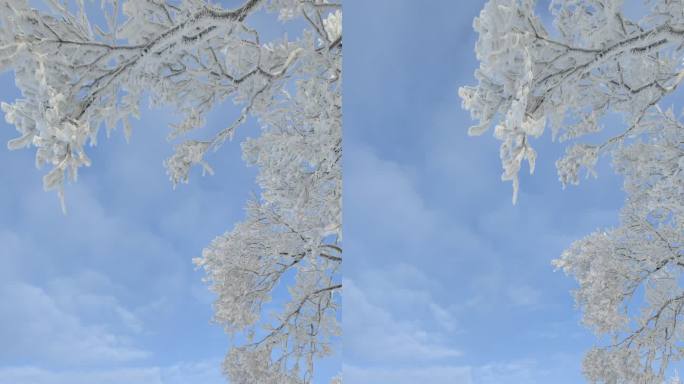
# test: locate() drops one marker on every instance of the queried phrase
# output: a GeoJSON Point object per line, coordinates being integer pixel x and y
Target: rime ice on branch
{"type": "Point", "coordinates": [595, 62]}
{"type": "Point", "coordinates": [76, 76]}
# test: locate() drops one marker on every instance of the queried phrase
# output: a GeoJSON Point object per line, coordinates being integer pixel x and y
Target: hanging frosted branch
{"type": "Point", "coordinates": [76, 76]}
{"type": "Point", "coordinates": [598, 62]}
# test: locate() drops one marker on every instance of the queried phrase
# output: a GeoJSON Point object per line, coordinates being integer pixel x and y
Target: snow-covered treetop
{"type": "Point", "coordinates": [76, 76]}
{"type": "Point", "coordinates": [593, 62]}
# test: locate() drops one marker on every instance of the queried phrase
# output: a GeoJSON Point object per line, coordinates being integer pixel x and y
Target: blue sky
{"type": "Point", "coordinates": [108, 293]}
{"type": "Point", "coordinates": [445, 280]}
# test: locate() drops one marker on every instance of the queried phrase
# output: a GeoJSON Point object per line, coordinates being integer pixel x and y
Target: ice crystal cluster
{"type": "Point", "coordinates": [77, 75]}
{"type": "Point", "coordinates": [592, 62]}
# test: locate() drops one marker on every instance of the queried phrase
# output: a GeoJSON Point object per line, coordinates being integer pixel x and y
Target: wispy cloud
{"type": "Point", "coordinates": [433, 374]}
{"type": "Point", "coordinates": [374, 335]}
{"type": "Point", "coordinates": [202, 372]}
{"type": "Point", "coordinates": [38, 324]}
{"type": "Point", "coordinates": [525, 371]}
{"type": "Point", "coordinates": [420, 193]}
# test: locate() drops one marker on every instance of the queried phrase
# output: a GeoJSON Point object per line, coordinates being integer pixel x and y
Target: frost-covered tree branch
{"type": "Point", "coordinates": [76, 75]}
{"type": "Point", "coordinates": [596, 62]}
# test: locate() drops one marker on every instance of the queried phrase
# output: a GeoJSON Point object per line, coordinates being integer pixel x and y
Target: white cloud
{"type": "Point", "coordinates": [38, 324]}
{"type": "Point", "coordinates": [514, 372]}
{"type": "Point", "coordinates": [383, 194]}
{"type": "Point", "coordinates": [524, 295]}
{"type": "Point", "coordinates": [12, 253]}
{"type": "Point", "coordinates": [392, 318]}
{"type": "Point", "coordinates": [405, 316]}
{"type": "Point", "coordinates": [203, 372]}
{"type": "Point", "coordinates": [373, 334]}
{"type": "Point", "coordinates": [75, 290]}
{"type": "Point", "coordinates": [87, 296]}
{"type": "Point", "coordinates": [70, 324]}
{"type": "Point", "coordinates": [406, 291]}
{"type": "Point", "coordinates": [93, 296]}
{"type": "Point", "coordinates": [525, 371]}
{"type": "Point", "coordinates": [34, 375]}
{"type": "Point", "coordinates": [433, 374]}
